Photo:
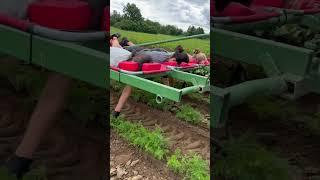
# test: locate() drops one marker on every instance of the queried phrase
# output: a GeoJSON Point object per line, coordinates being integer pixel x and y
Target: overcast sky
{"type": "Point", "coordinates": [181, 13]}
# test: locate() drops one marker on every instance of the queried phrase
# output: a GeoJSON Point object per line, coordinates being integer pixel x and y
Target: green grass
{"type": "Point", "coordinates": [189, 114]}
{"type": "Point", "coordinates": [246, 160]}
{"type": "Point", "coordinates": [152, 142]}
{"type": "Point", "coordinates": [191, 165]}
{"type": "Point", "coordinates": [189, 45]}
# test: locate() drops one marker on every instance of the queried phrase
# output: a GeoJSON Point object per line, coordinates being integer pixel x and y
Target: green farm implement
{"type": "Point", "coordinates": [42, 34]}
{"type": "Point", "coordinates": [291, 71]}
{"type": "Point", "coordinates": [86, 61]}
{"type": "Point", "coordinates": [144, 80]}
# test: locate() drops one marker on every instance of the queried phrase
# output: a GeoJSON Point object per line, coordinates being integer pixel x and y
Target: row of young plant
{"type": "Point", "coordinates": [184, 112]}
{"type": "Point", "coordinates": [242, 158]}
{"type": "Point", "coordinates": [192, 166]}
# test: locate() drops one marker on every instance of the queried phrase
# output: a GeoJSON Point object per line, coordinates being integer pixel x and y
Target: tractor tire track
{"type": "Point", "coordinates": [181, 135]}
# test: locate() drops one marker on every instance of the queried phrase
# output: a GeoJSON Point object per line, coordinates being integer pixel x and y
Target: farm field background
{"type": "Point", "coordinates": [189, 44]}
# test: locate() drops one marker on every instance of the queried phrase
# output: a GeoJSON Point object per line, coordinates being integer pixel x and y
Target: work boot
{"type": "Point", "coordinates": [115, 114]}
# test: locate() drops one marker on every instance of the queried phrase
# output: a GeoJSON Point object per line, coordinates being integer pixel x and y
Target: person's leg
{"type": "Point", "coordinates": [126, 92]}
{"type": "Point", "coordinates": [123, 99]}
{"type": "Point", "coordinates": [50, 105]}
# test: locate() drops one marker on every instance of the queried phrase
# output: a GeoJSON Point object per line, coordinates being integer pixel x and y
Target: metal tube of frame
{"type": "Point", "coordinates": [171, 40]}
{"type": "Point", "coordinates": [223, 99]}
{"type": "Point", "coordinates": [190, 89]}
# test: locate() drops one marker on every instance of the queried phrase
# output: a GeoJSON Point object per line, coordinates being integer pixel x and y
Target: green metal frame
{"type": "Point", "coordinates": [74, 60]}
{"type": "Point", "coordinates": [200, 84]}
{"type": "Point", "coordinates": [292, 71]}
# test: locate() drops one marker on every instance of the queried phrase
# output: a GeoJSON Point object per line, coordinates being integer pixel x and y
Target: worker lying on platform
{"type": "Point", "coordinates": [127, 51]}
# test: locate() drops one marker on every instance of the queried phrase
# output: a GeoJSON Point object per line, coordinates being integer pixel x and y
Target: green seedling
{"type": "Point", "coordinates": [244, 159]}
{"type": "Point", "coordinates": [189, 114]}
{"type": "Point", "coordinates": [191, 165]}
{"type": "Point", "coordinates": [152, 142]}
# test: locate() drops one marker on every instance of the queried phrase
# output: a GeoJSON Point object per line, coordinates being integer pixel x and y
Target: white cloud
{"type": "Point", "coordinates": [181, 13]}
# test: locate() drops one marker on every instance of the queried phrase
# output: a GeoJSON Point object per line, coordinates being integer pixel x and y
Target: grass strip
{"type": "Point", "coordinates": [189, 114]}
{"type": "Point", "coordinates": [245, 159]}
{"type": "Point", "coordinates": [192, 166]}
{"type": "Point", "coordinates": [152, 142]}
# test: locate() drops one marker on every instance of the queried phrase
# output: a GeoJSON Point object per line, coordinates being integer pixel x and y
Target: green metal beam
{"type": "Point", "coordinates": [189, 77]}
{"type": "Point", "coordinates": [223, 99]}
{"type": "Point", "coordinates": [249, 49]}
{"type": "Point", "coordinates": [15, 43]}
{"type": "Point", "coordinates": [71, 59]}
{"type": "Point", "coordinates": [200, 84]}
{"type": "Point", "coordinates": [147, 85]}
{"type": "Point", "coordinates": [171, 40]}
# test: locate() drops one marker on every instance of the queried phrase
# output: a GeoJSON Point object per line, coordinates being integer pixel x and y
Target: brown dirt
{"type": "Point", "coordinates": [287, 137]}
{"type": "Point", "coordinates": [181, 135]}
{"type": "Point", "coordinates": [68, 151]}
{"type": "Point", "coordinates": [127, 162]}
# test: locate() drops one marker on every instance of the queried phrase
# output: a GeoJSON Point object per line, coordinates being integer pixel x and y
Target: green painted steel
{"type": "Point", "coordinates": [73, 60]}
{"type": "Point", "coordinates": [200, 83]}
{"type": "Point", "coordinates": [15, 43]}
{"type": "Point", "coordinates": [293, 71]}
{"type": "Point", "coordinates": [249, 49]}
{"type": "Point", "coordinates": [147, 85]}
{"type": "Point", "coordinates": [160, 90]}
{"type": "Point", "coordinates": [264, 24]}
{"type": "Point", "coordinates": [172, 40]}
{"type": "Point", "coordinates": [189, 77]}
{"type": "Point", "coordinates": [223, 99]}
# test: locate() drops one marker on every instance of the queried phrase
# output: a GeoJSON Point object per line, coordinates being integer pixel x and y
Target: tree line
{"type": "Point", "coordinates": [132, 20]}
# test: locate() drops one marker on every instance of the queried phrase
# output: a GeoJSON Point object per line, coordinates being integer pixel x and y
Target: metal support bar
{"type": "Point", "coordinates": [189, 77]}
{"type": "Point", "coordinates": [224, 99]}
{"type": "Point", "coordinates": [15, 43]}
{"type": "Point", "coordinates": [245, 48]}
{"type": "Point", "coordinates": [147, 85]}
{"type": "Point", "coordinates": [200, 84]}
{"type": "Point", "coordinates": [171, 40]}
{"type": "Point", "coordinates": [263, 24]}
{"type": "Point", "coordinates": [71, 59]}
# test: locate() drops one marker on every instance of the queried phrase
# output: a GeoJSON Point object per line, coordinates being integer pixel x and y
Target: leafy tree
{"type": "Point", "coordinates": [132, 12]}
{"type": "Point", "coordinates": [132, 20]}
{"type": "Point", "coordinates": [115, 17]}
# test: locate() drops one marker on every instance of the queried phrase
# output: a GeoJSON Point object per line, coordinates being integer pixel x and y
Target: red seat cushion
{"type": "Point", "coordinates": [62, 15]}
{"type": "Point", "coordinates": [129, 66]}
{"type": "Point", "coordinates": [151, 66]}
{"type": "Point", "coordinates": [268, 3]}
{"type": "Point", "coordinates": [236, 9]}
{"type": "Point", "coordinates": [171, 63]}
{"type": "Point", "coordinates": [192, 60]}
